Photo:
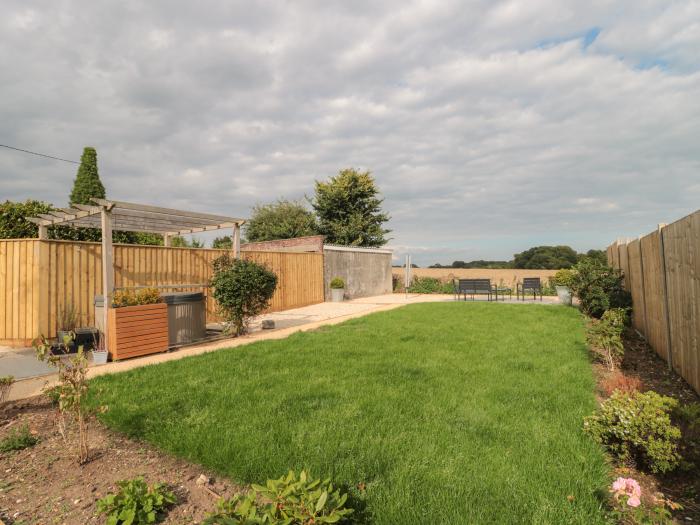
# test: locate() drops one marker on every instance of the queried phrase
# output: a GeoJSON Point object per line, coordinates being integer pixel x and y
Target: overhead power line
{"type": "Point", "coordinates": [39, 154]}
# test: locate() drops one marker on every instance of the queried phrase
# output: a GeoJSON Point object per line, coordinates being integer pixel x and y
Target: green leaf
{"type": "Point", "coordinates": [321, 501]}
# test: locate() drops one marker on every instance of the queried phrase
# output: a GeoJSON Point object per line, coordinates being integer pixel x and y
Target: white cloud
{"type": "Point", "coordinates": [490, 126]}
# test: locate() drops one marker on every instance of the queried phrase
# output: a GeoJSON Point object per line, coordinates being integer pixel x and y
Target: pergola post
{"type": "Point", "coordinates": [167, 238]}
{"type": "Point", "coordinates": [43, 232]}
{"type": "Point", "coordinates": [236, 244]}
{"type": "Point", "coordinates": [107, 270]}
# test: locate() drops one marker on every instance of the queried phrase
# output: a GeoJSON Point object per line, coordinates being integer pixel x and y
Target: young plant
{"type": "Point", "coordinates": [18, 440]}
{"type": "Point", "coordinates": [242, 290]}
{"type": "Point", "coordinates": [605, 336]}
{"type": "Point", "coordinates": [72, 389]}
{"type": "Point", "coordinates": [289, 500]}
{"type": "Point", "coordinates": [6, 383]}
{"type": "Point", "coordinates": [122, 298]}
{"type": "Point", "coordinates": [629, 506]}
{"type": "Point", "coordinates": [337, 283]}
{"type": "Point", "coordinates": [619, 381]}
{"type": "Point", "coordinates": [135, 503]}
{"type": "Point", "coordinates": [68, 319]}
{"type": "Point", "coordinates": [637, 426]}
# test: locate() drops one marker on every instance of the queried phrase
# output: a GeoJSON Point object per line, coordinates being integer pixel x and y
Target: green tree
{"type": "Point", "coordinates": [546, 257]}
{"type": "Point", "coordinates": [87, 184]}
{"type": "Point", "coordinates": [13, 218]}
{"type": "Point", "coordinates": [597, 255]}
{"type": "Point", "coordinates": [222, 243]}
{"type": "Point", "coordinates": [282, 219]}
{"type": "Point", "coordinates": [349, 209]}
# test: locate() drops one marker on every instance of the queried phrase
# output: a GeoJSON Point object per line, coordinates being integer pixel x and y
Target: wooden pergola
{"type": "Point", "coordinates": [109, 215]}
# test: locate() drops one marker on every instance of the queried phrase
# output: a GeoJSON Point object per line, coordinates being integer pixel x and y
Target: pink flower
{"type": "Point", "coordinates": [634, 501]}
{"type": "Point", "coordinates": [629, 488]}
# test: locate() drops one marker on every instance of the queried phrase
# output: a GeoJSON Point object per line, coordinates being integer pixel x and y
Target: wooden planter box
{"type": "Point", "coordinates": [138, 330]}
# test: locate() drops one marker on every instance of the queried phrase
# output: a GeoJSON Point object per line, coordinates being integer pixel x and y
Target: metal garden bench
{"type": "Point", "coordinates": [532, 284]}
{"type": "Point", "coordinates": [475, 287]}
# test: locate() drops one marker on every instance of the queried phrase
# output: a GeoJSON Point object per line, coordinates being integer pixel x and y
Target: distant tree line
{"type": "Point", "coordinates": [537, 258]}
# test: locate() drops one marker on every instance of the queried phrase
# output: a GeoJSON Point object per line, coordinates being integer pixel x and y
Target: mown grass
{"type": "Point", "coordinates": [449, 413]}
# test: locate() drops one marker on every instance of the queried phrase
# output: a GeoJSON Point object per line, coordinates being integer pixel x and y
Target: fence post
{"type": "Point", "coordinates": [644, 292]}
{"type": "Point", "coordinates": [667, 313]}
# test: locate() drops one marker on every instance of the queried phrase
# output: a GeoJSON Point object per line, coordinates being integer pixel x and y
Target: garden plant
{"type": "Point", "coordinates": [242, 289]}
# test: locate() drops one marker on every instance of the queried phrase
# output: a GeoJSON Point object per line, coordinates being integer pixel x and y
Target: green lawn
{"type": "Point", "coordinates": [450, 412]}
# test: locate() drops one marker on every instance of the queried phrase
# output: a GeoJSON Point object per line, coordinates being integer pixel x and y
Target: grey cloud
{"type": "Point", "coordinates": [490, 126]}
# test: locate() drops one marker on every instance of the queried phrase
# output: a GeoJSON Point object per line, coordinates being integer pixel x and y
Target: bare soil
{"type": "Point", "coordinates": [45, 485]}
{"type": "Point", "coordinates": [683, 485]}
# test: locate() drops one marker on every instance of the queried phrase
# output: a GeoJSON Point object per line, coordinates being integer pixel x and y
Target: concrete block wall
{"type": "Point", "coordinates": [366, 271]}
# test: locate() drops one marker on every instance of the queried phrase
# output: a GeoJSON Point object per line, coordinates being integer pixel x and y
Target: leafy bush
{"type": "Point", "coordinates": [605, 336]}
{"type": "Point", "coordinates": [337, 283]}
{"type": "Point", "coordinates": [18, 440]}
{"type": "Point", "coordinates": [637, 426]}
{"type": "Point", "coordinates": [140, 297]}
{"type": "Point", "coordinates": [624, 383]}
{"type": "Point", "coordinates": [242, 289]}
{"type": "Point", "coordinates": [135, 503]}
{"type": "Point", "coordinates": [430, 285]}
{"type": "Point", "coordinates": [289, 500]}
{"type": "Point", "coordinates": [599, 288]}
{"type": "Point", "coordinates": [6, 383]}
{"type": "Point", "coordinates": [689, 414]}
{"type": "Point", "coordinates": [563, 277]}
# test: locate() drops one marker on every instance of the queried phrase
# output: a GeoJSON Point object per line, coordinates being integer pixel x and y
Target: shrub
{"type": "Point", "coordinates": [637, 426]}
{"type": "Point", "coordinates": [242, 289]}
{"type": "Point", "coordinates": [140, 297]}
{"type": "Point", "coordinates": [6, 383]}
{"type": "Point", "coordinates": [337, 283]}
{"type": "Point", "coordinates": [289, 500]}
{"type": "Point", "coordinates": [135, 503]}
{"type": "Point", "coordinates": [563, 278]}
{"type": "Point", "coordinates": [598, 288]}
{"type": "Point", "coordinates": [619, 381]}
{"type": "Point", "coordinates": [18, 440]}
{"type": "Point", "coordinates": [689, 414]}
{"type": "Point", "coordinates": [430, 285]}
{"type": "Point", "coordinates": [630, 507]}
{"type": "Point", "coordinates": [605, 336]}
{"type": "Point", "coordinates": [72, 389]}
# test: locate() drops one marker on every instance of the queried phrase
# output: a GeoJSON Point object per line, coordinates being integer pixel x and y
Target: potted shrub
{"type": "Point", "coordinates": [562, 283]}
{"type": "Point", "coordinates": [138, 324]}
{"type": "Point", "coordinates": [337, 289]}
{"type": "Point", "coordinates": [99, 352]}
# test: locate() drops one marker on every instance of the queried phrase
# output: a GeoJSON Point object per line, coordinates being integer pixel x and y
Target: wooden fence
{"type": "Point", "coordinates": [662, 272]}
{"type": "Point", "coordinates": [41, 279]}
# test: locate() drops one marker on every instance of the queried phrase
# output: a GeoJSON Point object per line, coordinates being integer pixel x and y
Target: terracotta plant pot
{"type": "Point", "coordinates": [138, 330]}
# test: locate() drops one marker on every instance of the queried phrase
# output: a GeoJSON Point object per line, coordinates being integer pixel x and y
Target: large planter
{"type": "Point", "coordinates": [337, 295]}
{"type": "Point", "coordinates": [564, 294]}
{"type": "Point", "coordinates": [138, 330]}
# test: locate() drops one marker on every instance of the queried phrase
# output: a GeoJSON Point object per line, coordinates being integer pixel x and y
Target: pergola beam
{"type": "Point", "coordinates": [166, 211]}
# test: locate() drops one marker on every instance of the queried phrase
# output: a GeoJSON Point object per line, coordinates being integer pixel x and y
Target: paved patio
{"type": "Point", "coordinates": [33, 375]}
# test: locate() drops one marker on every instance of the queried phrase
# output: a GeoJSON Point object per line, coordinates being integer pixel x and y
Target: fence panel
{"type": "Point", "coordinates": [665, 287]}
{"type": "Point", "coordinates": [42, 280]}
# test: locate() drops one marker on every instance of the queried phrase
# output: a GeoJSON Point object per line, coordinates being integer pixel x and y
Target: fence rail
{"type": "Point", "coordinates": [41, 279]}
{"type": "Point", "coordinates": [662, 272]}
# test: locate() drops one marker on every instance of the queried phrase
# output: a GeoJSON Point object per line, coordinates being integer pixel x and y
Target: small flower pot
{"type": "Point", "coordinates": [564, 295]}
{"type": "Point", "coordinates": [99, 357]}
{"type": "Point", "coordinates": [337, 295]}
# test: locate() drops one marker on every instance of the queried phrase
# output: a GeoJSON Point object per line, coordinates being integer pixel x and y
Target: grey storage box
{"type": "Point", "coordinates": [187, 316]}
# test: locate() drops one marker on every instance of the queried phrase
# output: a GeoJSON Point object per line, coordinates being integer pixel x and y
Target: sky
{"type": "Point", "coordinates": [490, 126]}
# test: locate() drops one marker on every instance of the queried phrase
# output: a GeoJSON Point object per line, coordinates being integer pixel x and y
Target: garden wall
{"type": "Point", "coordinates": [662, 272]}
{"type": "Point", "coordinates": [40, 279]}
{"type": "Point", "coordinates": [507, 277]}
{"type": "Point", "coordinates": [366, 271]}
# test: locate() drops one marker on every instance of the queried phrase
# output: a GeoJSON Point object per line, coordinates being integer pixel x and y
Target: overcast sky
{"type": "Point", "coordinates": [489, 126]}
